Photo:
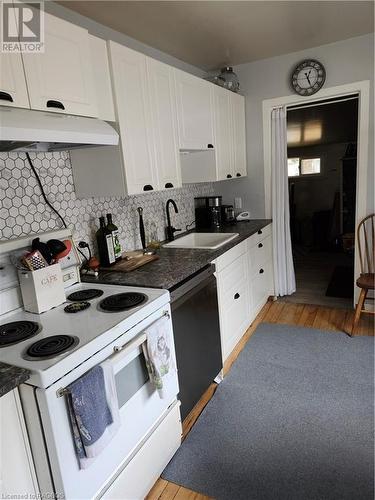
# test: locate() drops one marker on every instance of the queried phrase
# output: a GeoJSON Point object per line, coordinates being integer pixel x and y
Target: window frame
{"type": "Point", "coordinates": [307, 157]}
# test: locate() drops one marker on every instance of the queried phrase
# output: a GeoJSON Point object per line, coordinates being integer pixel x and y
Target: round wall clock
{"type": "Point", "coordinates": [308, 77]}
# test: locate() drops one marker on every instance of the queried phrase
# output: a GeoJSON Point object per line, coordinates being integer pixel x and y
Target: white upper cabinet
{"type": "Point", "coordinates": [13, 90]}
{"type": "Point", "coordinates": [223, 133]}
{"type": "Point", "coordinates": [129, 74]}
{"type": "Point", "coordinates": [61, 78]}
{"type": "Point", "coordinates": [238, 135]}
{"type": "Point", "coordinates": [164, 123]}
{"type": "Point", "coordinates": [194, 111]}
{"type": "Point", "coordinates": [102, 79]}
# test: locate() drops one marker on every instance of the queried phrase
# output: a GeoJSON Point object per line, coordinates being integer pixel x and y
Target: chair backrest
{"type": "Point", "coordinates": [366, 243]}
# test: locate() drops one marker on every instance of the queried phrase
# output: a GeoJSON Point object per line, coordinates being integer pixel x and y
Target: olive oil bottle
{"type": "Point", "coordinates": [116, 241]}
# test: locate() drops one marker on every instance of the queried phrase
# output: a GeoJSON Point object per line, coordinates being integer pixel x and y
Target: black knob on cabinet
{"type": "Point", "coordinates": [168, 185]}
{"type": "Point", "coordinates": [260, 245]}
{"type": "Point", "coordinates": [237, 296]}
{"type": "Point", "coordinates": [55, 104]}
{"type": "Point", "coordinates": [238, 174]}
{"type": "Point", "coordinates": [261, 271]}
{"type": "Point", "coordinates": [260, 231]}
{"type": "Point", "coordinates": [229, 176]}
{"type": "Point", "coordinates": [4, 96]}
{"type": "Point", "coordinates": [210, 146]}
{"type": "Point", "coordinates": [148, 187]}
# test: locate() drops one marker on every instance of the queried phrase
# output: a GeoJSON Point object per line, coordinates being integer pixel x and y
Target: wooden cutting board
{"type": "Point", "coordinates": [131, 261]}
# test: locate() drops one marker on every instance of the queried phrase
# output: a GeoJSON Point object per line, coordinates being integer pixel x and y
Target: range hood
{"type": "Point", "coordinates": [27, 130]}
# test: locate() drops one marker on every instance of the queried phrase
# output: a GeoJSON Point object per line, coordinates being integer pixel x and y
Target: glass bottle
{"type": "Point", "coordinates": [115, 237]}
{"type": "Point", "coordinates": [105, 244]}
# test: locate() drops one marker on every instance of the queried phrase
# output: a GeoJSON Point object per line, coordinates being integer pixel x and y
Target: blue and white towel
{"type": "Point", "coordinates": [93, 411]}
{"type": "Point", "coordinates": [158, 352]}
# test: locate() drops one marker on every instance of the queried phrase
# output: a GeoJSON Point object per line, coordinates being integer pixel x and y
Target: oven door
{"type": "Point", "coordinates": [141, 411]}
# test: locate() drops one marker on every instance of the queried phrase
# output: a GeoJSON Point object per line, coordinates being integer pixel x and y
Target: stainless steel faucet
{"type": "Point", "coordinates": [170, 230]}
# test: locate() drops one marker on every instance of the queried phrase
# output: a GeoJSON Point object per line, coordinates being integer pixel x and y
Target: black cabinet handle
{"type": "Point", "coordinates": [261, 271]}
{"type": "Point", "coordinates": [236, 296]}
{"type": "Point", "coordinates": [4, 96]}
{"type": "Point", "coordinates": [238, 174]}
{"type": "Point", "coordinates": [260, 245]}
{"type": "Point", "coordinates": [55, 104]}
{"type": "Point", "coordinates": [229, 176]}
{"type": "Point", "coordinates": [168, 185]}
{"type": "Point", "coordinates": [260, 231]}
{"type": "Point", "coordinates": [210, 146]}
{"type": "Point", "coordinates": [148, 187]}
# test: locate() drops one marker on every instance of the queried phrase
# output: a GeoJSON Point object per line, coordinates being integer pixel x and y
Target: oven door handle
{"type": "Point", "coordinates": [123, 351]}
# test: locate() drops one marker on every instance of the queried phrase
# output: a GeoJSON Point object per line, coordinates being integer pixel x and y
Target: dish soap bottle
{"type": "Point", "coordinates": [114, 231]}
{"type": "Point", "coordinates": [105, 244]}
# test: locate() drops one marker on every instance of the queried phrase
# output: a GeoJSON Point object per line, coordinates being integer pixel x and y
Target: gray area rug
{"type": "Point", "coordinates": [292, 420]}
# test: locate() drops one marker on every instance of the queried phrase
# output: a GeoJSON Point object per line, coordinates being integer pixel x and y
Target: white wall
{"type": "Point", "coordinates": [102, 31]}
{"type": "Point", "coordinates": [345, 62]}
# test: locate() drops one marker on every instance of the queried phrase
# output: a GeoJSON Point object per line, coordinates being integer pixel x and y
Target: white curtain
{"type": "Point", "coordinates": [285, 282]}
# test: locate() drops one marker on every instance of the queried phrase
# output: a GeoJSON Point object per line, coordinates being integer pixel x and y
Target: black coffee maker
{"type": "Point", "coordinates": [207, 212]}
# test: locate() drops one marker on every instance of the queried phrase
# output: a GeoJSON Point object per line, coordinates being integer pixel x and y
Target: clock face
{"type": "Point", "coordinates": [308, 77]}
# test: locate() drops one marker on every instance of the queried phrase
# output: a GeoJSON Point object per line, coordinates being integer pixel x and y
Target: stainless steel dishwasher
{"type": "Point", "coordinates": [195, 317]}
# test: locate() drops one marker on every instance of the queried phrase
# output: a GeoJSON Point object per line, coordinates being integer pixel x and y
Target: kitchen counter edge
{"type": "Point", "coordinates": [11, 377]}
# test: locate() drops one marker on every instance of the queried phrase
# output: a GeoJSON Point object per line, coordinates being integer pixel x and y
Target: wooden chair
{"type": "Point", "coordinates": [366, 249]}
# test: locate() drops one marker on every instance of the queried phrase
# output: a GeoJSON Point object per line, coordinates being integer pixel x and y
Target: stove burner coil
{"type": "Point", "coordinates": [85, 294]}
{"type": "Point", "coordinates": [122, 301]}
{"type": "Point", "coordinates": [76, 307]}
{"type": "Point", "coordinates": [16, 331]}
{"type": "Point", "coordinates": [51, 347]}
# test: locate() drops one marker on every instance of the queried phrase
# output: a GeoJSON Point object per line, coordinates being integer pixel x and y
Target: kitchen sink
{"type": "Point", "coordinates": [208, 241]}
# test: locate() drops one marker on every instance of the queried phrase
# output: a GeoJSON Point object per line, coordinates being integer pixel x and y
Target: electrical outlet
{"type": "Point", "coordinates": [238, 203]}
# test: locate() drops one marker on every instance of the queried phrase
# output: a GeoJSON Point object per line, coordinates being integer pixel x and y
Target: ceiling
{"type": "Point", "coordinates": [210, 34]}
{"type": "Point", "coordinates": [324, 124]}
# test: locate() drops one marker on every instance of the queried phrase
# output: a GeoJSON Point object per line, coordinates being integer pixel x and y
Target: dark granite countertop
{"type": "Point", "coordinates": [11, 377]}
{"type": "Point", "coordinates": [177, 264]}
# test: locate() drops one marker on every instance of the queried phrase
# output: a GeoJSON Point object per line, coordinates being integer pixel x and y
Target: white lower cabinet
{"type": "Point", "coordinates": [245, 281]}
{"type": "Point", "coordinates": [17, 474]}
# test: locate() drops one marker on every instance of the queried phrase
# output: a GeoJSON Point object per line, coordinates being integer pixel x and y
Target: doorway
{"type": "Point", "coordinates": [322, 173]}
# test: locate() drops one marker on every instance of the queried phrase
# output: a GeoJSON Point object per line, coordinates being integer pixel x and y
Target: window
{"type": "Point", "coordinates": [298, 167]}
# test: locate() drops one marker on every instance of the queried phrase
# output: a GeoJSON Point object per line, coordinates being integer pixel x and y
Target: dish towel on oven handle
{"type": "Point", "coordinates": [158, 352]}
{"type": "Point", "coordinates": [93, 412]}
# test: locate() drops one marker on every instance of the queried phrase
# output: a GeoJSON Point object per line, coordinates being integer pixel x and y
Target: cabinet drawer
{"type": "Point", "coordinates": [260, 254]}
{"type": "Point", "coordinates": [234, 313]}
{"type": "Point", "coordinates": [259, 235]}
{"type": "Point", "coordinates": [231, 255]}
{"type": "Point", "coordinates": [232, 275]}
{"type": "Point", "coordinates": [261, 285]}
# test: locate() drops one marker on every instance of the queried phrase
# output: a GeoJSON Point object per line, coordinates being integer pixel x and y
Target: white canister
{"type": "Point", "coordinates": [42, 289]}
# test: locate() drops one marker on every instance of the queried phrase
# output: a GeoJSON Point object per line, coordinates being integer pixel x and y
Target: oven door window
{"type": "Point", "coordinates": [131, 378]}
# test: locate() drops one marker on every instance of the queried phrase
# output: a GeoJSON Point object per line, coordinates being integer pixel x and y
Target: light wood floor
{"type": "Point", "coordinates": [273, 312]}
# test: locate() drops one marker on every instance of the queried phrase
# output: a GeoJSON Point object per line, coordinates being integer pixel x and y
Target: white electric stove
{"type": "Point", "coordinates": [96, 323]}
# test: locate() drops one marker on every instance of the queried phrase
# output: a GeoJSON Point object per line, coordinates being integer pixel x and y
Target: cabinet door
{"type": "Point", "coordinates": [234, 303]}
{"type": "Point", "coordinates": [195, 111]}
{"type": "Point", "coordinates": [17, 474]}
{"type": "Point", "coordinates": [13, 91]}
{"type": "Point", "coordinates": [102, 79]}
{"type": "Point", "coordinates": [133, 115]}
{"type": "Point", "coordinates": [61, 78]}
{"type": "Point", "coordinates": [223, 136]}
{"type": "Point", "coordinates": [238, 135]}
{"type": "Point", "coordinates": [164, 123]}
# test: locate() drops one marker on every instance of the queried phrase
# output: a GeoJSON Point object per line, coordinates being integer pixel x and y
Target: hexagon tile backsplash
{"type": "Point", "coordinates": [23, 210]}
